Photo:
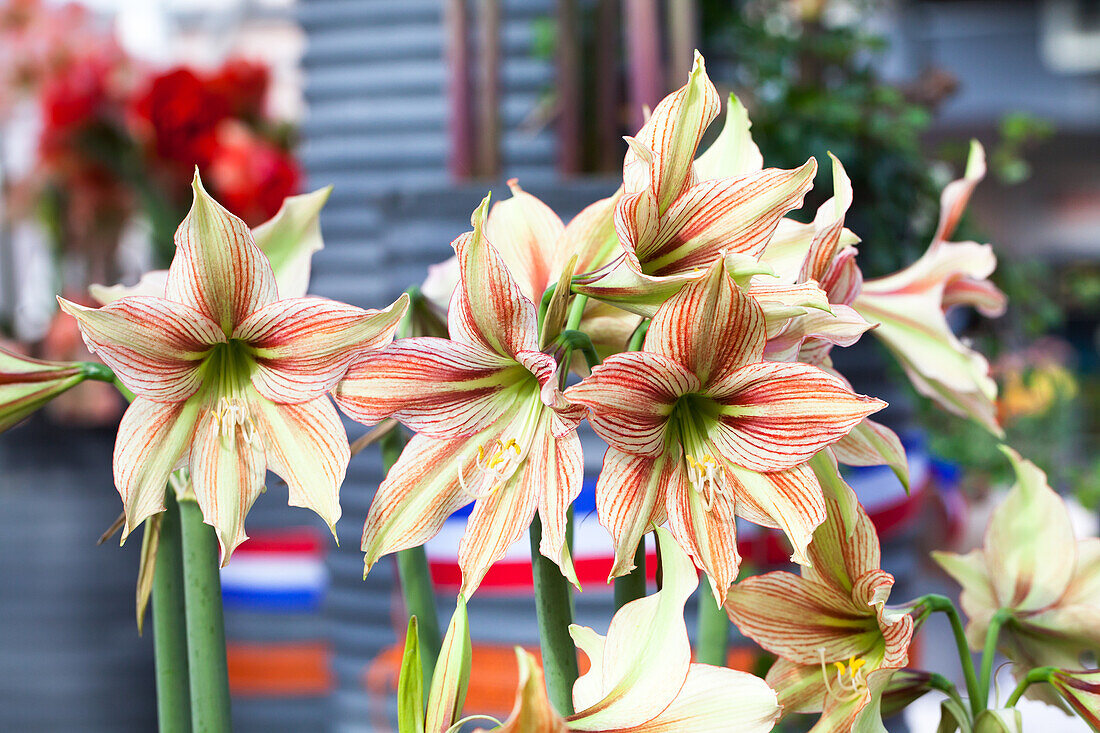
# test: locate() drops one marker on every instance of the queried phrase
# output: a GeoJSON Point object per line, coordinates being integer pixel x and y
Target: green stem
{"type": "Point", "coordinates": [170, 626]}
{"type": "Point", "coordinates": [1039, 674]}
{"type": "Point", "coordinates": [206, 659]}
{"type": "Point", "coordinates": [944, 685]}
{"type": "Point", "coordinates": [576, 311]}
{"type": "Point", "coordinates": [416, 579]}
{"type": "Point", "coordinates": [989, 652]}
{"type": "Point", "coordinates": [544, 304]}
{"type": "Point", "coordinates": [933, 603]}
{"type": "Point", "coordinates": [554, 603]}
{"type": "Point", "coordinates": [96, 371]}
{"type": "Point", "coordinates": [638, 337]}
{"type": "Point", "coordinates": [631, 587]}
{"type": "Point", "coordinates": [713, 637]}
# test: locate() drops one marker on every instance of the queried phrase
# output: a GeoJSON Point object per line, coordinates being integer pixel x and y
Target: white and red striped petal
{"type": "Point", "coordinates": [307, 447]}
{"type": "Point", "coordinates": [420, 491]}
{"type": "Point", "coordinates": [710, 327]}
{"type": "Point", "coordinates": [155, 346]}
{"type": "Point", "coordinates": [304, 346]}
{"type": "Point", "coordinates": [438, 387]}
{"type": "Point", "coordinates": [956, 195]}
{"type": "Point", "coordinates": [488, 307]}
{"type": "Point", "coordinates": [727, 215]}
{"type": "Point", "coordinates": [791, 500]}
{"type": "Point", "coordinates": [228, 465]}
{"type": "Point", "coordinates": [152, 438]}
{"type": "Point", "coordinates": [775, 416]}
{"type": "Point", "coordinates": [828, 226]}
{"type": "Point", "coordinates": [630, 498]}
{"type": "Point", "coordinates": [218, 270]}
{"type": "Point", "coordinates": [591, 235]}
{"type": "Point", "coordinates": [556, 464]}
{"type": "Point", "coordinates": [673, 132]}
{"type": "Point", "coordinates": [794, 618]}
{"type": "Point", "coordinates": [630, 397]}
{"type": "Point", "coordinates": [525, 232]}
{"type": "Point", "coordinates": [873, 444]}
{"type": "Point", "coordinates": [709, 535]}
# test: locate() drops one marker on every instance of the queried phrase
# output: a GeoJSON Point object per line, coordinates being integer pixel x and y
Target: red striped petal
{"type": "Point", "coordinates": [418, 494]}
{"type": "Point", "coordinates": [709, 536]}
{"type": "Point", "coordinates": [155, 346]}
{"type": "Point", "coordinates": [435, 386]}
{"type": "Point", "coordinates": [227, 471]}
{"type": "Point", "coordinates": [488, 307]}
{"type": "Point", "coordinates": [308, 448]}
{"type": "Point", "coordinates": [710, 327]}
{"type": "Point", "coordinates": [497, 521]}
{"type": "Point", "coordinates": [956, 195]}
{"type": "Point", "coordinates": [776, 416]}
{"type": "Point", "coordinates": [828, 226]}
{"type": "Point", "coordinates": [218, 270]}
{"type": "Point", "coordinates": [727, 215]}
{"type": "Point", "coordinates": [795, 618]}
{"type": "Point", "coordinates": [152, 438]}
{"type": "Point", "coordinates": [790, 500]}
{"type": "Point", "coordinates": [557, 465]}
{"type": "Point", "coordinates": [631, 396]}
{"type": "Point", "coordinates": [304, 346]}
{"type": "Point", "coordinates": [630, 497]}
{"type": "Point", "coordinates": [591, 235]}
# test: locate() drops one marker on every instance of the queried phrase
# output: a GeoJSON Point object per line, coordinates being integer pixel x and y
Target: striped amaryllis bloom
{"type": "Point", "coordinates": [229, 379]}
{"type": "Point", "coordinates": [702, 429]}
{"type": "Point", "coordinates": [837, 642]}
{"type": "Point", "coordinates": [492, 426]}
{"type": "Point", "coordinates": [1080, 689]}
{"type": "Point", "coordinates": [671, 221]}
{"type": "Point", "coordinates": [1032, 564]}
{"type": "Point", "coordinates": [641, 678]}
{"type": "Point", "coordinates": [909, 307]}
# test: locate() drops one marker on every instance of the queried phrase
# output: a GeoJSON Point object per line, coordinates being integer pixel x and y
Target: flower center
{"type": "Point", "coordinates": [850, 679]}
{"type": "Point", "coordinates": [706, 478]}
{"type": "Point", "coordinates": [230, 414]}
{"type": "Point", "coordinates": [689, 422]}
{"type": "Point", "coordinates": [226, 384]}
{"type": "Point", "coordinates": [495, 464]}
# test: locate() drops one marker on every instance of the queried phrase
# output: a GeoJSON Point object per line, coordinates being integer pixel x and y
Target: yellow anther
{"type": "Point", "coordinates": [839, 667]}
{"type": "Point", "coordinates": [493, 466]}
{"type": "Point", "coordinates": [854, 664]}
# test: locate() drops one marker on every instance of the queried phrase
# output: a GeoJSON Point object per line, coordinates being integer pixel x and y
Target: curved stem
{"type": "Point", "coordinates": [944, 685]}
{"type": "Point", "coordinates": [1039, 674]}
{"type": "Point", "coordinates": [712, 639]}
{"type": "Point", "coordinates": [170, 626]}
{"type": "Point", "coordinates": [554, 603]}
{"type": "Point", "coordinates": [576, 311]}
{"type": "Point", "coordinates": [416, 578]}
{"type": "Point", "coordinates": [638, 337]}
{"type": "Point", "coordinates": [933, 603]}
{"type": "Point", "coordinates": [989, 652]}
{"type": "Point", "coordinates": [631, 587]}
{"type": "Point", "coordinates": [205, 622]}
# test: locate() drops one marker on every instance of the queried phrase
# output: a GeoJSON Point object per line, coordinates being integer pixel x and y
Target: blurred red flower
{"type": "Point", "coordinates": [242, 86]}
{"type": "Point", "coordinates": [179, 112]}
{"type": "Point", "coordinates": [251, 175]}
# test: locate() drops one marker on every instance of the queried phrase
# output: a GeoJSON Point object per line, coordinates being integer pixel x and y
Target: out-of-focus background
{"type": "Point", "coordinates": [412, 109]}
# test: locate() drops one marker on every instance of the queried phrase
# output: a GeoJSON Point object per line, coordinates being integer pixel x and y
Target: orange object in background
{"type": "Point", "coordinates": [280, 670]}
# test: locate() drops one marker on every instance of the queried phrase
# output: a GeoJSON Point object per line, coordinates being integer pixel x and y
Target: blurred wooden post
{"type": "Point", "coordinates": [459, 91]}
{"type": "Point", "coordinates": [488, 111]}
{"type": "Point", "coordinates": [683, 39]}
{"type": "Point", "coordinates": [569, 91]}
{"type": "Point", "coordinates": [608, 99]}
{"type": "Point", "coordinates": [643, 51]}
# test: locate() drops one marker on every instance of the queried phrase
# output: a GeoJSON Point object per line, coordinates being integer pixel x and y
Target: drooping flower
{"type": "Point", "coordinates": [1032, 565]}
{"type": "Point", "coordinates": [837, 642]}
{"type": "Point", "coordinates": [27, 384]}
{"type": "Point", "coordinates": [229, 379]}
{"type": "Point", "coordinates": [288, 240]}
{"type": "Point", "coordinates": [641, 678]}
{"type": "Point", "coordinates": [910, 308]}
{"type": "Point", "coordinates": [672, 222]}
{"type": "Point", "coordinates": [493, 428]}
{"type": "Point", "coordinates": [701, 429]}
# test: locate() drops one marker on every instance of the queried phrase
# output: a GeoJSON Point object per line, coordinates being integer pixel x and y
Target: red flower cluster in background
{"type": "Point", "coordinates": [111, 129]}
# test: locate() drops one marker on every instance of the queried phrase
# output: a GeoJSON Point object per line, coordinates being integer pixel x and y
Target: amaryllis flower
{"type": "Point", "coordinates": [229, 379]}
{"type": "Point", "coordinates": [641, 678]}
{"type": "Point", "coordinates": [288, 240]}
{"type": "Point", "coordinates": [910, 307]}
{"type": "Point", "coordinates": [702, 429]}
{"type": "Point", "coordinates": [1032, 565]}
{"type": "Point", "coordinates": [671, 222]}
{"type": "Point", "coordinates": [492, 426]}
{"type": "Point", "coordinates": [837, 642]}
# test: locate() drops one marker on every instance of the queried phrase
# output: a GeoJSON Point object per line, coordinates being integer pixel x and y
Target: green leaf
{"type": "Point", "coordinates": [410, 685]}
{"type": "Point", "coordinates": [452, 672]}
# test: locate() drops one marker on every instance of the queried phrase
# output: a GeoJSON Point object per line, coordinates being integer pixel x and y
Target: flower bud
{"type": "Point", "coordinates": [27, 384]}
